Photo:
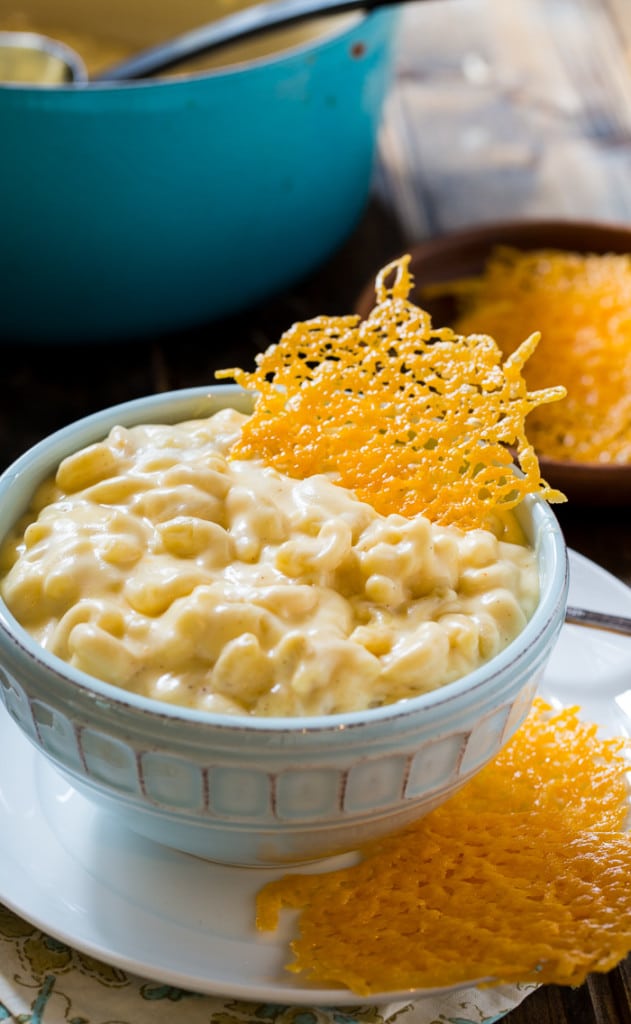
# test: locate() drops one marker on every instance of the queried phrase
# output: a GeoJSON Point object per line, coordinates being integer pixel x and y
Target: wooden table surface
{"type": "Point", "coordinates": [499, 109]}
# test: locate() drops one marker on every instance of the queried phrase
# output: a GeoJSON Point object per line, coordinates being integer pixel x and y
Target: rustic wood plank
{"type": "Point", "coordinates": [602, 990]}
{"type": "Point", "coordinates": [619, 12]}
{"type": "Point", "coordinates": [501, 110]}
{"type": "Point", "coordinates": [595, 60]}
{"type": "Point", "coordinates": [621, 983]}
{"type": "Point", "coordinates": [554, 1005]}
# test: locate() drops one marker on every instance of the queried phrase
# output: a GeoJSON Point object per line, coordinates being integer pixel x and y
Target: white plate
{"type": "Point", "coordinates": [68, 868]}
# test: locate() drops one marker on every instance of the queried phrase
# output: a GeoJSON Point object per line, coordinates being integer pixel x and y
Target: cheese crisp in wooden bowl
{"type": "Point", "coordinates": [270, 621]}
{"type": "Point", "coordinates": [571, 282]}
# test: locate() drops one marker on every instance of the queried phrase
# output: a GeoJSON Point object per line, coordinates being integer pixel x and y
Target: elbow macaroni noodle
{"type": "Point", "coordinates": [156, 562]}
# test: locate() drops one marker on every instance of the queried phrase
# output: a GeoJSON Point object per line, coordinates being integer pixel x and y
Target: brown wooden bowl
{"type": "Point", "coordinates": [462, 253]}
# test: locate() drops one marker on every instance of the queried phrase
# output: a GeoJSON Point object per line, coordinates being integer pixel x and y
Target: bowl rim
{"type": "Point", "coordinates": [41, 458]}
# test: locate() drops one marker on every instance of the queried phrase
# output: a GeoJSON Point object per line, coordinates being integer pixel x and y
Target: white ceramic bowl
{"type": "Point", "coordinates": [263, 791]}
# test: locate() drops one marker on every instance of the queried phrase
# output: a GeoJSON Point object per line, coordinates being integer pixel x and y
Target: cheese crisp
{"type": "Point", "coordinates": [157, 562]}
{"type": "Point", "coordinates": [412, 419]}
{"type": "Point", "coordinates": [581, 304]}
{"type": "Point", "coordinates": [522, 876]}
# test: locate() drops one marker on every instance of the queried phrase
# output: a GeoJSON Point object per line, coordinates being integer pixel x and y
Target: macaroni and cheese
{"type": "Point", "coordinates": [157, 562]}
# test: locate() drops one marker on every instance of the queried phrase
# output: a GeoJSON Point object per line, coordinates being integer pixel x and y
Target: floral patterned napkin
{"type": "Point", "coordinates": [43, 981]}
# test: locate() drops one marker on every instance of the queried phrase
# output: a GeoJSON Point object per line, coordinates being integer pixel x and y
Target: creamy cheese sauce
{"type": "Point", "coordinates": [157, 563]}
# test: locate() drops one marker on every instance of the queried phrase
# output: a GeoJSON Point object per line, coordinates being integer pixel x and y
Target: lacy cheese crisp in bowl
{"type": "Point", "coordinates": [265, 627]}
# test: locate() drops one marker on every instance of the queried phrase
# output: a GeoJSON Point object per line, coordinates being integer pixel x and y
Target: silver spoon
{"type": "Point", "coordinates": [261, 17]}
{"type": "Point", "coordinates": [598, 620]}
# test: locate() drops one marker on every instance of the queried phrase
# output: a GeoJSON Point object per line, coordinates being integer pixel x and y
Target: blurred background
{"type": "Point", "coordinates": [492, 111]}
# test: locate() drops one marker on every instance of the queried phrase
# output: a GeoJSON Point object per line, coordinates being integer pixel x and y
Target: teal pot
{"type": "Point", "coordinates": [150, 206]}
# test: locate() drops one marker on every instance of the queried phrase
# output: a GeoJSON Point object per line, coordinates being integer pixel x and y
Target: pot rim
{"type": "Point", "coordinates": [329, 34]}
